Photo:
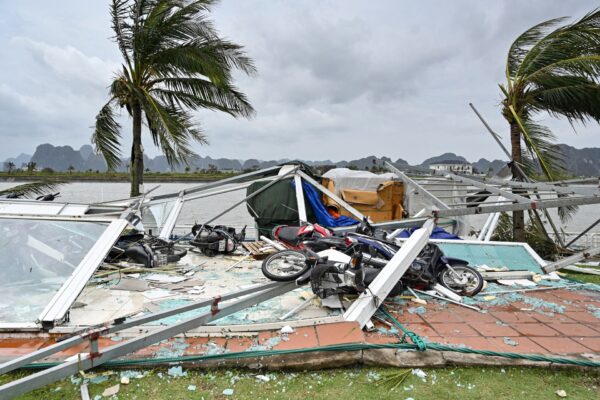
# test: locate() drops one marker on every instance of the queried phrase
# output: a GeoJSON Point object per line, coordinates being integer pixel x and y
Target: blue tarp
{"type": "Point", "coordinates": [320, 211]}
{"type": "Point", "coordinates": [438, 233]}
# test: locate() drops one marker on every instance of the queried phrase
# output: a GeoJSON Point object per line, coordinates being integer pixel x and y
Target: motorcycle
{"type": "Point", "coordinates": [429, 268]}
{"type": "Point", "coordinates": [213, 240]}
{"type": "Point", "coordinates": [147, 250]}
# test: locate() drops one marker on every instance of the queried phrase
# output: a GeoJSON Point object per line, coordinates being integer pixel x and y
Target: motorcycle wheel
{"type": "Point", "coordinates": [468, 283]}
{"type": "Point", "coordinates": [285, 266]}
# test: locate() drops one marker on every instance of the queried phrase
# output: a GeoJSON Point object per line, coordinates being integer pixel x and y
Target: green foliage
{"type": "Point", "coordinates": [534, 236]}
{"type": "Point", "coordinates": [31, 166]}
{"type": "Point", "coordinates": [555, 69]}
{"type": "Point", "coordinates": [32, 189]}
{"type": "Point", "coordinates": [9, 166]}
{"type": "Point", "coordinates": [174, 62]}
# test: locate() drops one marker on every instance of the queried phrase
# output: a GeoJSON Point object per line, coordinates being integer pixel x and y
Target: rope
{"type": "Point", "coordinates": [414, 338]}
{"type": "Point", "coordinates": [422, 346]}
{"type": "Point", "coordinates": [333, 348]}
{"type": "Point", "coordinates": [417, 344]}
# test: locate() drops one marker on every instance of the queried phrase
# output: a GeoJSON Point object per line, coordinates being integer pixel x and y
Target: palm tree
{"type": "Point", "coordinates": [71, 169]}
{"type": "Point", "coordinates": [554, 69]}
{"type": "Point", "coordinates": [174, 63]}
{"type": "Point", "coordinates": [31, 166]}
{"type": "Point", "coordinates": [9, 165]}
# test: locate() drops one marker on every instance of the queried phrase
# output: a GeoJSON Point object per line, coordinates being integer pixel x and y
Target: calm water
{"type": "Point", "coordinates": [196, 211]}
{"type": "Point", "coordinates": [202, 209]}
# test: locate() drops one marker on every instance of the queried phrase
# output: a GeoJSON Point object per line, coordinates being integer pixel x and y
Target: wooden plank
{"type": "Point", "coordinates": [257, 249]}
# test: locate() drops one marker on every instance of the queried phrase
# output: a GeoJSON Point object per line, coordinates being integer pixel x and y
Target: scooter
{"type": "Point", "coordinates": [429, 268]}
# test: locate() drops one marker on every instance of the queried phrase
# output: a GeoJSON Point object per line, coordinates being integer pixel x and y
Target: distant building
{"type": "Point", "coordinates": [459, 167]}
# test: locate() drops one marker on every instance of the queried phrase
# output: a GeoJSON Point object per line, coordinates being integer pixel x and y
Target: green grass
{"type": "Point", "coordinates": [350, 383]}
{"type": "Point", "coordinates": [582, 277]}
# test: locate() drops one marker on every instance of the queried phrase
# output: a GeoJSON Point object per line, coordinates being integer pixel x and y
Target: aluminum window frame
{"type": "Point", "coordinates": [57, 308]}
{"type": "Point", "coordinates": [526, 246]}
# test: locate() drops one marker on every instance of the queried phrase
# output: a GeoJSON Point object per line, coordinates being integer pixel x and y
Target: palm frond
{"type": "Point", "coordinates": [214, 59]}
{"type": "Point", "coordinates": [197, 93]}
{"type": "Point", "coordinates": [119, 10]}
{"type": "Point", "coordinates": [107, 137]}
{"type": "Point", "coordinates": [175, 62]}
{"type": "Point", "coordinates": [33, 188]}
{"type": "Point", "coordinates": [575, 98]}
{"type": "Point", "coordinates": [569, 41]}
{"type": "Point", "coordinates": [172, 130]}
{"type": "Point", "coordinates": [539, 141]}
{"type": "Point", "coordinates": [521, 46]}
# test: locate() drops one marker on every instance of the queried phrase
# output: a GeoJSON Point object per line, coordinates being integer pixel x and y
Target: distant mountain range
{"type": "Point", "coordinates": [580, 162]}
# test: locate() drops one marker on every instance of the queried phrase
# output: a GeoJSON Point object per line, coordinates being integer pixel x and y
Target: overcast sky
{"type": "Point", "coordinates": [336, 79]}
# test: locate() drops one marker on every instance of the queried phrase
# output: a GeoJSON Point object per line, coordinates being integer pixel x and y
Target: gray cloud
{"type": "Point", "coordinates": [337, 79]}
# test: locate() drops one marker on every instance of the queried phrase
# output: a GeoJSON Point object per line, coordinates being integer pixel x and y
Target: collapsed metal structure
{"type": "Point", "coordinates": [475, 196]}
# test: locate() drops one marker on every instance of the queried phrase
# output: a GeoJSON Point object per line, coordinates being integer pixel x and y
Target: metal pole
{"type": "Point", "coordinates": [492, 189]}
{"type": "Point", "coordinates": [492, 227]}
{"type": "Point", "coordinates": [218, 183]}
{"type": "Point", "coordinates": [81, 337]}
{"type": "Point", "coordinates": [518, 167]}
{"type": "Point", "coordinates": [458, 303]}
{"type": "Point", "coordinates": [332, 195]}
{"type": "Point", "coordinates": [262, 189]}
{"type": "Point", "coordinates": [398, 224]}
{"type": "Point", "coordinates": [50, 375]}
{"type": "Point", "coordinates": [363, 308]}
{"type": "Point", "coordinates": [488, 220]}
{"type": "Point", "coordinates": [541, 204]}
{"type": "Point", "coordinates": [583, 233]}
{"type": "Point", "coordinates": [300, 199]}
{"type": "Point", "coordinates": [438, 203]}
{"type": "Point", "coordinates": [259, 191]}
{"type": "Point", "coordinates": [582, 255]}
{"type": "Point", "coordinates": [543, 185]}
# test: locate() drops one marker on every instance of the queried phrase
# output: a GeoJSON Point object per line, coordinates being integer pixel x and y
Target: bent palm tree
{"type": "Point", "coordinates": [174, 63]}
{"type": "Point", "coordinates": [553, 69]}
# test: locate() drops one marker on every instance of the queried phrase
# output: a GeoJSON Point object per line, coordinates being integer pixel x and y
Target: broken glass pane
{"type": "Point", "coordinates": [37, 256]}
{"type": "Point", "coordinates": [155, 215]}
{"type": "Point", "coordinates": [512, 256]}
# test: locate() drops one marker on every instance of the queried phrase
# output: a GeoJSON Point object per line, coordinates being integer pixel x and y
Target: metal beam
{"type": "Point", "coordinates": [83, 336]}
{"type": "Point", "coordinates": [492, 227]}
{"type": "Point", "coordinates": [582, 255]}
{"type": "Point", "coordinates": [409, 182]}
{"type": "Point", "coordinates": [586, 230]}
{"type": "Point", "coordinates": [520, 170]}
{"type": "Point", "coordinates": [332, 195]}
{"type": "Point", "coordinates": [259, 191]}
{"type": "Point", "coordinates": [545, 186]}
{"type": "Point", "coordinates": [541, 204]}
{"type": "Point", "coordinates": [218, 183]}
{"type": "Point", "coordinates": [492, 189]}
{"type": "Point", "coordinates": [300, 199]}
{"type": "Point", "coordinates": [56, 309]}
{"type": "Point", "coordinates": [496, 138]}
{"type": "Point", "coordinates": [363, 308]}
{"type": "Point", "coordinates": [171, 220]}
{"type": "Point", "coordinates": [397, 224]}
{"type": "Point", "coordinates": [85, 362]}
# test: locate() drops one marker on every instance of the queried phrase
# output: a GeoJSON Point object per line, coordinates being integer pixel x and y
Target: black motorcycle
{"type": "Point", "coordinates": [213, 240]}
{"type": "Point", "coordinates": [369, 254]}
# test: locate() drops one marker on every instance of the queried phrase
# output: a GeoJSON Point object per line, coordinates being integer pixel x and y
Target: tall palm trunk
{"type": "Point", "coordinates": [518, 216]}
{"type": "Point", "coordinates": [137, 155]}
